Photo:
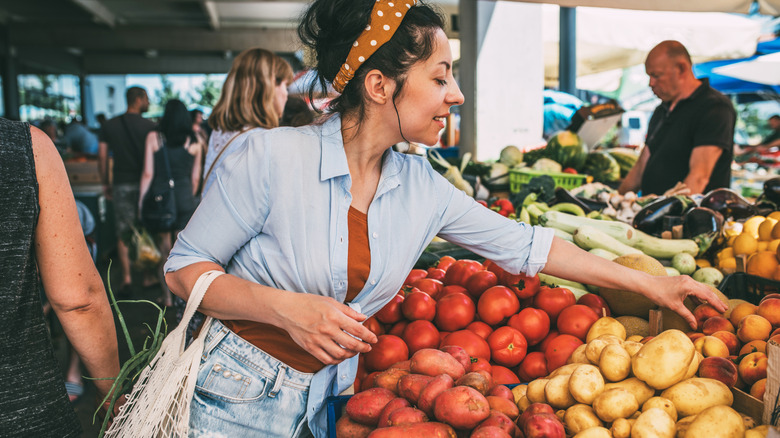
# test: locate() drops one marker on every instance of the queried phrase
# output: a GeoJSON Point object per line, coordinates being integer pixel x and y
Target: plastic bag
{"type": "Point", "coordinates": [145, 253]}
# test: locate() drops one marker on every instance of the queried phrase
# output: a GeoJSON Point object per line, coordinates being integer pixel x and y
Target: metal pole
{"type": "Point", "coordinates": [567, 54]}
{"type": "Point", "coordinates": [10, 84]}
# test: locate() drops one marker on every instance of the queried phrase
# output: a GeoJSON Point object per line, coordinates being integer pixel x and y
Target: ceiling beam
{"type": "Point", "coordinates": [162, 64]}
{"type": "Point", "coordinates": [210, 8]}
{"type": "Point", "coordinates": [98, 10]}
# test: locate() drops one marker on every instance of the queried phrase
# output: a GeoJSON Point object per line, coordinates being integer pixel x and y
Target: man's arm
{"type": "Point", "coordinates": [701, 165]}
{"type": "Point", "coordinates": [633, 180]}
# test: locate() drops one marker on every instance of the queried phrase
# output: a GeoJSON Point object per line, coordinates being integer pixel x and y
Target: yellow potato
{"type": "Point", "coordinates": [621, 428]}
{"type": "Point", "coordinates": [615, 362]}
{"type": "Point", "coordinates": [595, 346]}
{"type": "Point", "coordinates": [523, 403]}
{"type": "Point", "coordinates": [641, 390]}
{"type": "Point", "coordinates": [535, 391]}
{"type": "Point", "coordinates": [556, 391]}
{"type": "Point", "coordinates": [653, 423]}
{"type": "Point", "coordinates": [664, 360]}
{"type": "Point", "coordinates": [586, 383]}
{"type": "Point", "coordinates": [594, 432]}
{"type": "Point", "coordinates": [696, 394]}
{"type": "Point", "coordinates": [757, 432]}
{"type": "Point", "coordinates": [606, 326]}
{"type": "Point", "coordinates": [580, 417]}
{"type": "Point", "coordinates": [578, 355]}
{"type": "Point", "coordinates": [682, 426]}
{"type": "Point", "coordinates": [717, 422]}
{"type": "Point", "coordinates": [635, 338]}
{"type": "Point", "coordinates": [632, 347]}
{"type": "Point", "coordinates": [519, 391]}
{"type": "Point", "coordinates": [565, 370]}
{"type": "Point", "coordinates": [615, 403]}
{"type": "Point", "coordinates": [662, 403]}
{"type": "Point", "coordinates": [693, 368]}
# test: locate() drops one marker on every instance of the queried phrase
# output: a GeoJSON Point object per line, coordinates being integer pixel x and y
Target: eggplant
{"type": "Point", "coordinates": [728, 203]}
{"type": "Point", "coordinates": [772, 190]}
{"type": "Point", "coordinates": [563, 195]}
{"type": "Point", "coordinates": [657, 216]}
{"type": "Point", "coordinates": [701, 220]}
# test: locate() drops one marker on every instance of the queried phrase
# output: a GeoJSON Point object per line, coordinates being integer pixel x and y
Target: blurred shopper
{"type": "Point", "coordinates": [50, 128]}
{"type": "Point", "coordinates": [252, 99]}
{"type": "Point", "coordinates": [690, 138]}
{"type": "Point", "coordinates": [773, 139]}
{"type": "Point", "coordinates": [40, 234]}
{"type": "Point", "coordinates": [296, 113]}
{"type": "Point", "coordinates": [184, 151]}
{"type": "Point", "coordinates": [78, 138]}
{"type": "Point", "coordinates": [124, 136]}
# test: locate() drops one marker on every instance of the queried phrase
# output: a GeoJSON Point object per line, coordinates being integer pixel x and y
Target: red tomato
{"type": "Point", "coordinates": [415, 275]}
{"type": "Point", "coordinates": [470, 341]}
{"type": "Point", "coordinates": [498, 270]}
{"type": "Point", "coordinates": [522, 285]}
{"type": "Point", "coordinates": [576, 320]}
{"type": "Point", "coordinates": [452, 289]}
{"type": "Point", "coordinates": [419, 305]}
{"type": "Point", "coordinates": [560, 349]}
{"type": "Point", "coordinates": [542, 346]}
{"type": "Point", "coordinates": [369, 381]}
{"type": "Point", "coordinates": [534, 324]}
{"type": "Point", "coordinates": [421, 334]}
{"type": "Point", "coordinates": [454, 312]}
{"type": "Point", "coordinates": [480, 363]}
{"type": "Point", "coordinates": [532, 367]}
{"type": "Point", "coordinates": [391, 313]}
{"type": "Point", "coordinates": [445, 262]}
{"type": "Point", "coordinates": [430, 286]}
{"type": "Point", "coordinates": [442, 335]}
{"type": "Point", "coordinates": [398, 328]}
{"type": "Point", "coordinates": [374, 325]}
{"type": "Point", "coordinates": [507, 346]}
{"type": "Point", "coordinates": [460, 271]}
{"type": "Point", "coordinates": [388, 350]}
{"type": "Point", "coordinates": [504, 376]}
{"type": "Point", "coordinates": [480, 281]}
{"type": "Point", "coordinates": [497, 304]}
{"type": "Point", "coordinates": [569, 170]}
{"type": "Point", "coordinates": [361, 372]}
{"type": "Point", "coordinates": [596, 303]}
{"type": "Point", "coordinates": [436, 274]}
{"type": "Point", "coordinates": [480, 328]}
{"type": "Point", "coordinates": [554, 299]}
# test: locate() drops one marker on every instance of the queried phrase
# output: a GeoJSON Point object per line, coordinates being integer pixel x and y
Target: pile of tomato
{"type": "Point", "coordinates": [510, 325]}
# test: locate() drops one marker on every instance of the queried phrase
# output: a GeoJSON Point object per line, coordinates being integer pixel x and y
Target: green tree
{"type": "Point", "coordinates": [167, 92]}
{"type": "Point", "coordinates": [208, 92]}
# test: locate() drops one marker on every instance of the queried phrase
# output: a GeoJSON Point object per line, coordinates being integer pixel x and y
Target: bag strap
{"type": "Point", "coordinates": [214, 163]}
{"type": "Point", "coordinates": [166, 160]}
{"type": "Point", "coordinates": [196, 296]}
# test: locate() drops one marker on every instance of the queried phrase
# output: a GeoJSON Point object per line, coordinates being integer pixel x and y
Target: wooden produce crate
{"type": "Point", "coordinates": [82, 172]}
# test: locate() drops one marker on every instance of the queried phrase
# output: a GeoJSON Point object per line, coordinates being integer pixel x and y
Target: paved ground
{"type": "Point", "coordinates": [135, 316]}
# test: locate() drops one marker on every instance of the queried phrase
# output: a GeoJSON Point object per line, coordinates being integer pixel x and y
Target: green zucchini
{"type": "Point", "coordinates": [553, 281]}
{"type": "Point", "coordinates": [567, 222]}
{"type": "Point", "coordinates": [563, 235]}
{"type": "Point", "coordinates": [588, 237]}
{"type": "Point", "coordinates": [665, 248]}
{"type": "Point", "coordinates": [568, 207]}
{"type": "Point", "coordinates": [603, 253]}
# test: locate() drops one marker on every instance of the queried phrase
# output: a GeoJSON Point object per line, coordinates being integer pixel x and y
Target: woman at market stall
{"type": "Point", "coordinates": [318, 226]}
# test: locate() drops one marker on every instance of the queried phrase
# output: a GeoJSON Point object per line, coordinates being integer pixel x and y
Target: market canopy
{"type": "Point", "coordinates": [768, 7]}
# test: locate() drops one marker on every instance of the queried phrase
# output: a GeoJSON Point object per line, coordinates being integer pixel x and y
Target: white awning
{"type": "Point", "coordinates": [763, 70]}
{"type": "Point", "coordinates": [768, 7]}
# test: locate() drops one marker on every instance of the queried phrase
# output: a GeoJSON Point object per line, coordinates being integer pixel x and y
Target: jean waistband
{"type": "Point", "coordinates": [254, 358]}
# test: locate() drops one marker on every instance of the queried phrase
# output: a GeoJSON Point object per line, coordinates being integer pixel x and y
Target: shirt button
{"type": "Point", "coordinates": [226, 374]}
{"type": "Point", "coordinates": [237, 376]}
{"type": "Point", "coordinates": [373, 281]}
{"type": "Point", "coordinates": [341, 239]}
{"type": "Point", "coordinates": [375, 235]}
{"type": "Point", "coordinates": [343, 377]}
{"type": "Point", "coordinates": [217, 367]}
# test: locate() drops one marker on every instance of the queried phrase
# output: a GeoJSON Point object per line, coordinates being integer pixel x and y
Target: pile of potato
{"type": "Point", "coordinates": [613, 387]}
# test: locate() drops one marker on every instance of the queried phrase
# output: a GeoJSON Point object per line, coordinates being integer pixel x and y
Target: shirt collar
{"type": "Point", "coordinates": [334, 160]}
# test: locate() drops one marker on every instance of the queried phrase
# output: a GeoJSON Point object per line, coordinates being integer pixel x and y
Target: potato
{"type": "Point", "coordinates": [653, 423]}
{"type": "Point", "coordinates": [557, 392]}
{"type": "Point", "coordinates": [365, 406]}
{"type": "Point", "coordinates": [535, 392]}
{"type": "Point", "coordinates": [717, 422]}
{"type": "Point", "coordinates": [693, 368]}
{"type": "Point", "coordinates": [565, 370]}
{"type": "Point", "coordinates": [523, 403]}
{"type": "Point", "coordinates": [411, 385]}
{"type": "Point", "coordinates": [614, 362]}
{"type": "Point", "coordinates": [662, 403]}
{"type": "Point", "coordinates": [594, 432]}
{"type": "Point", "coordinates": [632, 347]}
{"type": "Point", "coordinates": [578, 355]}
{"type": "Point", "coordinates": [606, 326]}
{"type": "Point", "coordinates": [407, 415]}
{"type": "Point", "coordinates": [461, 407]}
{"type": "Point", "coordinates": [396, 403]}
{"type": "Point", "coordinates": [433, 389]}
{"type": "Point", "coordinates": [621, 428]}
{"type": "Point", "coordinates": [350, 429]}
{"type": "Point", "coordinates": [594, 347]}
{"type": "Point", "coordinates": [586, 383]}
{"type": "Point", "coordinates": [696, 394]}
{"type": "Point", "coordinates": [501, 404]}
{"type": "Point", "coordinates": [428, 430]}
{"type": "Point", "coordinates": [432, 362]}
{"type": "Point", "coordinates": [682, 426]}
{"type": "Point", "coordinates": [476, 380]}
{"type": "Point", "coordinates": [580, 417]}
{"type": "Point", "coordinates": [757, 432]}
{"type": "Point", "coordinates": [641, 390]}
{"type": "Point", "coordinates": [389, 378]}
{"type": "Point", "coordinates": [635, 338]}
{"type": "Point", "coordinates": [664, 360]}
{"type": "Point", "coordinates": [519, 391]}
{"type": "Point", "coordinates": [499, 420]}
{"type": "Point", "coordinates": [615, 403]}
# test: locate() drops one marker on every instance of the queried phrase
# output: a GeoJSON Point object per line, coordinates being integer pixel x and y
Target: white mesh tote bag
{"type": "Point", "coordinates": [159, 404]}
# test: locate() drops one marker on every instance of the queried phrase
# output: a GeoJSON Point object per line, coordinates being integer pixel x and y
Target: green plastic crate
{"type": "Point", "coordinates": [519, 177]}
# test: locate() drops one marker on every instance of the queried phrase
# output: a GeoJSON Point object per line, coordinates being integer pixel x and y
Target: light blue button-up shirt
{"type": "Point", "coordinates": [277, 215]}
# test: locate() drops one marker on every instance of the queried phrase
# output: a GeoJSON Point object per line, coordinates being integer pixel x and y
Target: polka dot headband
{"type": "Point", "coordinates": [386, 17]}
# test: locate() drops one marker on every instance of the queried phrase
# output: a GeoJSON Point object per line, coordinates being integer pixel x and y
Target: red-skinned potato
{"type": "Point", "coordinates": [409, 387]}
{"type": "Point", "coordinates": [497, 419]}
{"type": "Point", "coordinates": [506, 407]}
{"type": "Point", "coordinates": [389, 378]}
{"type": "Point", "coordinates": [461, 407]}
{"type": "Point", "coordinates": [402, 365]}
{"type": "Point", "coordinates": [347, 428]}
{"type": "Point", "coordinates": [426, 430]}
{"type": "Point", "coordinates": [502, 391]}
{"type": "Point", "coordinates": [370, 381]}
{"type": "Point", "coordinates": [533, 408]}
{"type": "Point", "coordinates": [490, 432]}
{"type": "Point", "coordinates": [432, 390]}
{"type": "Point", "coordinates": [365, 407]}
{"type": "Point", "coordinates": [396, 403]}
{"type": "Point", "coordinates": [458, 353]}
{"type": "Point", "coordinates": [407, 415]}
{"type": "Point", "coordinates": [431, 362]}
{"type": "Point", "coordinates": [544, 426]}
{"type": "Point", "coordinates": [479, 380]}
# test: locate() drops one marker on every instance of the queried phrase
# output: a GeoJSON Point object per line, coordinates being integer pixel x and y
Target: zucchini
{"type": "Point", "coordinates": [554, 281]}
{"type": "Point", "coordinates": [566, 222]}
{"type": "Point", "coordinates": [588, 238]}
{"type": "Point", "coordinates": [576, 291]}
{"type": "Point", "coordinates": [568, 207]}
{"type": "Point", "coordinates": [563, 235]}
{"type": "Point", "coordinates": [603, 253]}
{"type": "Point", "coordinates": [665, 248]}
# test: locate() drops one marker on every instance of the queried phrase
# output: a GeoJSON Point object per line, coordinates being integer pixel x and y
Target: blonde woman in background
{"type": "Point", "coordinates": [252, 99]}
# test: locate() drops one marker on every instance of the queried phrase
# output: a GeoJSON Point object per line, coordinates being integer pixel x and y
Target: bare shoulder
{"type": "Point", "coordinates": [47, 158]}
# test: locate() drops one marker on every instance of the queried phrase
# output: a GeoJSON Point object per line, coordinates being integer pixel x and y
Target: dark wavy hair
{"type": "Point", "coordinates": [176, 124]}
{"type": "Point", "coordinates": [329, 27]}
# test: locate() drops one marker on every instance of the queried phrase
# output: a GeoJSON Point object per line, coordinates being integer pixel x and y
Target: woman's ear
{"type": "Point", "coordinates": [379, 88]}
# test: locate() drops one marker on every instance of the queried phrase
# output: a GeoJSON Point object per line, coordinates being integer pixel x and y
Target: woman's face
{"type": "Point", "coordinates": [280, 97]}
{"type": "Point", "coordinates": [428, 94]}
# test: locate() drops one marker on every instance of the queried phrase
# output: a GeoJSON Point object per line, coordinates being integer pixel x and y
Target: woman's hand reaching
{"type": "Point", "coordinates": [672, 291]}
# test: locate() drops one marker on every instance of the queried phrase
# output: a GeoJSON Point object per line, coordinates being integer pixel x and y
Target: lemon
{"type": "Point", "coordinates": [751, 225]}
{"type": "Point", "coordinates": [765, 229]}
{"type": "Point", "coordinates": [773, 244]}
{"type": "Point", "coordinates": [703, 263]}
{"type": "Point", "coordinates": [726, 253]}
{"type": "Point", "coordinates": [730, 241]}
{"type": "Point", "coordinates": [745, 244]}
{"type": "Point", "coordinates": [774, 215]}
{"type": "Point", "coordinates": [728, 265]}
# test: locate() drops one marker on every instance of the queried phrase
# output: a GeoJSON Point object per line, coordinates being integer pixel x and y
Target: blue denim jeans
{"type": "Point", "coordinates": [242, 391]}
